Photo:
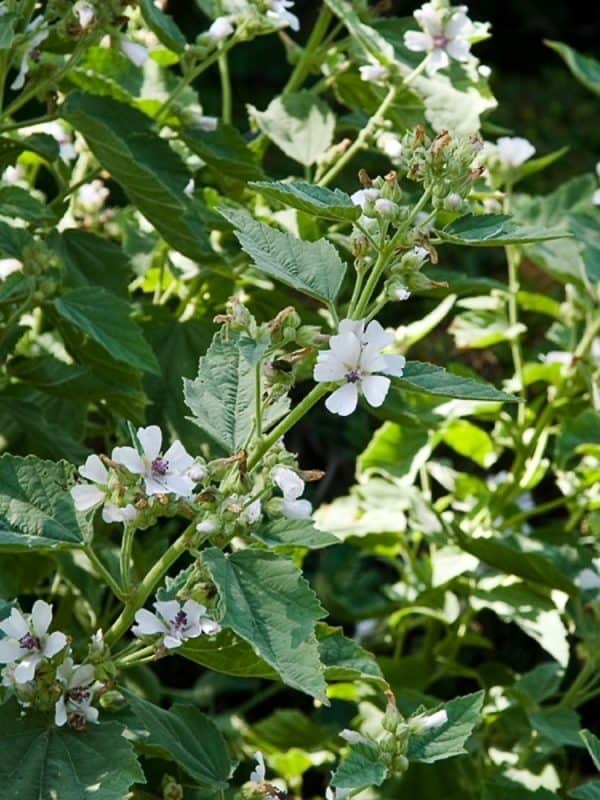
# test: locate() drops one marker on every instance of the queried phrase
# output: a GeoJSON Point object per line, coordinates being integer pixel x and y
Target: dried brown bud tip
{"type": "Point", "coordinates": [364, 180]}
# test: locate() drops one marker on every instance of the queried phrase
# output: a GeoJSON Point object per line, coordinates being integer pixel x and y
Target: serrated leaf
{"type": "Point", "coordinates": [560, 726]}
{"type": "Point", "coordinates": [495, 230]}
{"type": "Point", "coordinates": [225, 150]}
{"type": "Point", "coordinates": [36, 509]}
{"type": "Point", "coordinates": [584, 68]}
{"type": "Point", "coordinates": [361, 768]}
{"type": "Point", "coordinates": [124, 142]}
{"type": "Point", "coordinates": [300, 124]}
{"type": "Point", "coordinates": [593, 746]}
{"type": "Point", "coordinates": [264, 599]}
{"type": "Point", "coordinates": [294, 533]}
{"type": "Point", "coordinates": [431, 379]}
{"type": "Point", "coordinates": [345, 660]}
{"type": "Point", "coordinates": [229, 654]}
{"type": "Point", "coordinates": [186, 736]}
{"type": "Point", "coordinates": [92, 260]}
{"type": "Point", "coordinates": [449, 739]}
{"type": "Point", "coordinates": [166, 29]}
{"type": "Point", "coordinates": [316, 200]}
{"type": "Point", "coordinates": [314, 268]}
{"type": "Point", "coordinates": [106, 319]}
{"type": "Point", "coordinates": [44, 762]}
{"type": "Point", "coordinates": [18, 203]}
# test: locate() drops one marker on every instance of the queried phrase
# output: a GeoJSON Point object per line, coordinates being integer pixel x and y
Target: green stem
{"type": "Point", "coordinates": [304, 63]}
{"type": "Point", "coordinates": [147, 586]}
{"type": "Point", "coordinates": [543, 508]}
{"type": "Point", "coordinates": [26, 123]}
{"type": "Point", "coordinates": [284, 426]}
{"type": "Point", "coordinates": [381, 263]}
{"type": "Point", "coordinates": [125, 556]}
{"type": "Point", "coordinates": [227, 100]}
{"type": "Point", "coordinates": [132, 658]}
{"type": "Point", "coordinates": [104, 572]}
{"type": "Point", "coordinates": [258, 399]}
{"type": "Point", "coordinates": [361, 139]}
{"type": "Point", "coordinates": [579, 684]}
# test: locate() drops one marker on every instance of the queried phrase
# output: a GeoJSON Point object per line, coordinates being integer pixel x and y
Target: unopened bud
{"type": "Point", "coordinates": [453, 202]}
{"type": "Point", "coordinates": [386, 208]}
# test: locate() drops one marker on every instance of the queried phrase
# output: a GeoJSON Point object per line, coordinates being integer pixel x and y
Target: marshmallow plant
{"type": "Point", "coordinates": [192, 350]}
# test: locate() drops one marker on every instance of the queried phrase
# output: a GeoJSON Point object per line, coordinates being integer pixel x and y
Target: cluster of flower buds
{"type": "Point", "coordinates": [138, 483]}
{"type": "Point", "coordinates": [40, 670]}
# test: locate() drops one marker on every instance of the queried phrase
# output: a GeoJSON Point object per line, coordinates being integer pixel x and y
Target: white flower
{"type": "Point", "coordinates": [352, 737]}
{"type": "Point", "coordinates": [428, 722]}
{"type": "Point", "coordinates": [390, 145]}
{"type": "Point", "coordinates": [136, 53]}
{"type": "Point", "coordinates": [174, 622]}
{"type": "Point", "coordinates": [162, 474]}
{"type": "Point", "coordinates": [13, 175]}
{"type": "Point", "coordinates": [279, 14]}
{"type": "Point", "coordinates": [373, 73]}
{"type": "Point", "coordinates": [386, 208]}
{"type": "Point", "coordinates": [252, 512]}
{"type": "Point", "coordinates": [92, 196]}
{"type": "Point", "coordinates": [365, 198]}
{"type": "Point", "coordinates": [596, 197]}
{"type": "Point", "coordinates": [38, 35]}
{"type": "Point", "coordinates": [292, 487]}
{"type": "Point", "coordinates": [8, 266]}
{"type": "Point", "coordinates": [76, 702]}
{"type": "Point", "coordinates": [88, 495]}
{"type": "Point", "coordinates": [514, 150]}
{"type": "Point", "coordinates": [453, 202]}
{"type": "Point", "coordinates": [444, 36]}
{"type": "Point", "coordinates": [484, 70]}
{"type": "Point", "coordinates": [27, 640]}
{"type": "Point", "coordinates": [59, 133]}
{"type": "Point", "coordinates": [206, 526]}
{"type": "Point", "coordinates": [259, 772]}
{"type": "Point", "coordinates": [220, 29]}
{"type": "Point", "coordinates": [197, 472]}
{"type": "Point", "coordinates": [355, 356]}
{"type": "Point", "coordinates": [85, 13]}
{"type": "Point", "coordinates": [401, 293]}
{"type": "Point", "coordinates": [557, 357]}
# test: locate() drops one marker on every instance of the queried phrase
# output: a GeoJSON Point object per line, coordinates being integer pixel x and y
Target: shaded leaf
{"type": "Point", "coordinates": [431, 379]}
{"type": "Point", "coordinates": [316, 200]}
{"type": "Point", "coordinates": [494, 230]}
{"type": "Point", "coordinates": [449, 739]}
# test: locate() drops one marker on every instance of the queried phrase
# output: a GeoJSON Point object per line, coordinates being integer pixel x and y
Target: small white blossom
{"type": "Point", "coordinates": [206, 526]}
{"type": "Point", "coordinates": [162, 474]}
{"type": "Point", "coordinates": [352, 737]}
{"type": "Point", "coordinates": [561, 357]}
{"type": "Point", "coordinates": [220, 29]}
{"type": "Point", "coordinates": [386, 208]}
{"type": "Point", "coordinates": [514, 150]}
{"type": "Point", "coordinates": [8, 266]}
{"type": "Point", "coordinates": [92, 196]}
{"type": "Point", "coordinates": [89, 495]}
{"type": "Point", "coordinates": [59, 133]}
{"type": "Point", "coordinates": [136, 53]}
{"type": "Point", "coordinates": [292, 487]}
{"type": "Point", "coordinates": [336, 794]}
{"type": "Point", "coordinates": [278, 13]}
{"type": "Point", "coordinates": [28, 642]}
{"type": "Point", "coordinates": [596, 197]}
{"type": "Point", "coordinates": [390, 145]}
{"type": "Point", "coordinates": [355, 357]}
{"type": "Point", "coordinates": [251, 514]}
{"type": "Point", "coordinates": [38, 35]}
{"type": "Point", "coordinates": [175, 623]}
{"type": "Point", "coordinates": [76, 701]}
{"type": "Point", "coordinates": [197, 472]}
{"type": "Point", "coordinates": [429, 721]}
{"type": "Point", "coordinates": [401, 293]}
{"type": "Point", "coordinates": [85, 13]}
{"type": "Point", "coordinates": [453, 202]}
{"type": "Point", "coordinates": [373, 73]}
{"type": "Point", "coordinates": [259, 773]}
{"type": "Point", "coordinates": [365, 198]}
{"type": "Point", "coordinates": [443, 36]}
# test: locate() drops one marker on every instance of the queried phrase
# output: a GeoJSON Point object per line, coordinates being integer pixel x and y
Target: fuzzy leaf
{"type": "Point", "coordinates": [495, 230]}
{"type": "Point", "coordinates": [431, 379]}
{"type": "Point", "coordinates": [294, 533]}
{"type": "Point", "coordinates": [449, 739]}
{"type": "Point", "coordinates": [316, 200]}
{"type": "Point", "coordinates": [361, 768]}
{"type": "Point", "coordinates": [225, 151]}
{"type": "Point", "coordinates": [166, 30]}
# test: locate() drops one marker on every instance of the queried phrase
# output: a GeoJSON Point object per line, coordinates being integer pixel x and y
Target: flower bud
{"type": "Point", "coordinates": [386, 208]}
{"type": "Point", "coordinates": [220, 29]}
{"type": "Point", "coordinates": [453, 202]}
{"type": "Point", "coordinates": [197, 472]}
{"type": "Point", "coordinates": [207, 526]}
{"type": "Point", "coordinates": [400, 764]}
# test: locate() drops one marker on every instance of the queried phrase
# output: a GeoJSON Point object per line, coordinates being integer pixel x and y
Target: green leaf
{"type": "Point", "coordinates": [471, 441]}
{"type": "Point", "coordinates": [107, 71]}
{"type": "Point", "coordinates": [361, 768]}
{"type": "Point", "coordinates": [294, 533]}
{"type": "Point", "coordinates": [44, 762]}
{"type": "Point", "coordinates": [92, 260]}
{"type": "Point", "coordinates": [166, 30]}
{"type": "Point", "coordinates": [265, 600]}
{"type": "Point", "coordinates": [587, 791]}
{"type": "Point", "coordinates": [366, 36]}
{"type": "Point", "coordinates": [315, 200]}
{"type": "Point", "coordinates": [314, 268]}
{"type": "Point", "coordinates": [584, 68]}
{"type": "Point", "coordinates": [41, 144]}
{"type": "Point", "coordinates": [154, 177]}
{"type": "Point", "coordinates": [186, 736]}
{"type": "Point", "coordinates": [7, 30]}
{"type": "Point", "coordinates": [504, 789]}
{"type": "Point", "coordinates": [13, 240]}
{"type": "Point", "coordinates": [229, 654]}
{"type": "Point", "coordinates": [576, 433]}
{"type": "Point", "coordinates": [495, 230]}
{"type": "Point", "coordinates": [225, 150]}
{"type": "Point", "coordinates": [560, 726]}
{"type": "Point", "coordinates": [449, 739]}
{"type": "Point", "coordinates": [105, 318]}
{"type": "Point", "coordinates": [431, 379]}
{"type": "Point", "coordinates": [593, 746]}
{"type": "Point", "coordinates": [17, 202]}
{"type": "Point", "coordinates": [36, 509]}
{"type": "Point", "coordinates": [395, 450]}
{"type": "Point", "coordinates": [300, 124]}
{"type": "Point", "coordinates": [344, 660]}
{"type": "Point", "coordinates": [449, 106]}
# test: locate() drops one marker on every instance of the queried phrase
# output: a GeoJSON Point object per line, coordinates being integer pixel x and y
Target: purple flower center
{"type": "Point", "coordinates": [78, 694]}
{"type": "Point", "coordinates": [180, 621]}
{"type": "Point", "coordinates": [440, 41]}
{"type": "Point", "coordinates": [29, 642]}
{"type": "Point", "coordinates": [160, 466]}
{"type": "Point", "coordinates": [353, 376]}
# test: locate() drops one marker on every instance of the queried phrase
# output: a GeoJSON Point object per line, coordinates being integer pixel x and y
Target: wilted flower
{"type": "Point", "coordinates": [514, 150]}
{"type": "Point", "coordinates": [162, 474]}
{"type": "Point", "coordinates": [373, 73]}
{"type": "Point", "coordinates": [292, 487]}
{"type": "Point", "coordinates": [174, 622]}
{"type": "Point", "coordinates": [444, 35]}
{"type": "Point", "coordinates": [355, 356]}
{"type": "Point", "coordinates": [75, 704]}
{"type": "Point", "coordinates": [220, 29]}
{"type": "Point", "coordinates": [88, 495]}
{"type": "Point", "coordinates": [279, 14]}
{"type": "Point", "coordinates": [38, 35]}
{"type": "Point", "coordinates": [136, 53]}
{"type": "Point", "coordinates": [27, 640]}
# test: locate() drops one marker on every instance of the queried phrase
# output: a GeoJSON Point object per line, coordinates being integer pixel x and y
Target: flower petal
{"type": "Point", "coordinates": [328, 368]}
{"type": "Point", "coordinates": [60, 712]}
{"type": "Point", "coordinates": [16, 625]}
{"type": "Point", "coordinates": [296, 509]}
{"type": "Point", "coordinates": [436, 61]}
{"type": "Point", "coordinates": [377, 336]}
{"type": "Point", "coordinates": [151, 440]}
{"type": "Point", "coordinates": [10, 651]}
{"type": "Point", "coordinates": [56, 642]}
{"type": "Point", "coordinates": [290, 483]}
{"type": "Point", "coordinates": [25, 671]}
{"type": "Point", "coordinates": [129, 458]}
{"type": "Point", "coordinates": [343, 401]}
{"type": "Point", "coordinates": [418, 42]}
{"type": "Point", "coordinates": [459, 48]}
{"type": "Point", "coordinates": [41, 617]}
{"type": "Point", "coordinates": [167, 609]}
{"type": "Point", "coordinates": [171, 642]}
{"type": "Point", "coordinates": [86, 496]}
{"type": "Point", "coordinates": [375, 389]}
{"type": "Point", "coordinates": [94, 470]}
{"type": "Point", "coordinates": [178, 457]}
{"type": "Point", "coordinates": [394, 365]}
{"type": "Point", "coordinates": [346, 348]}
{"type": "Point", "coordinates": [147, 623]}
